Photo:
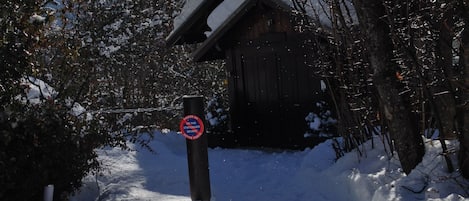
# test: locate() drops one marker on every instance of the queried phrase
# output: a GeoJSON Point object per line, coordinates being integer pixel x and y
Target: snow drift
{"type": "Point", "coordinates": [255, 175]}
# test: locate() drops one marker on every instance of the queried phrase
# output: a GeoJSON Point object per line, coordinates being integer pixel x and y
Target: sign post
{"type": "Point", "coordinates": [192, 128]}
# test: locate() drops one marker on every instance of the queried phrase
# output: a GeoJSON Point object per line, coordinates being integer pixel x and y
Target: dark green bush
{"type": "Point", "coordinates": [41, 146]}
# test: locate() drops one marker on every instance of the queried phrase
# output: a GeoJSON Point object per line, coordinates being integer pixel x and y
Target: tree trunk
{"type": "Point", "coordinates": [464, 137]}
{"type": "Point", "coordinates": [444, 99]}
{"type": "Point", "coordinates": [402, 125]}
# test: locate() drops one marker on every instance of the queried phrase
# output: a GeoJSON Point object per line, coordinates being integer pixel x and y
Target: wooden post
{"type": "Point", "coordinates": [197, 154]}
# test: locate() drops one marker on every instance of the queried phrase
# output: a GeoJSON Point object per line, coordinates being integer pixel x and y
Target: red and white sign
{"type": "Point", "coordinates": [191, 127]}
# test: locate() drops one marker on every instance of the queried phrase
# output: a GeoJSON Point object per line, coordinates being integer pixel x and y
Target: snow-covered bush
{"type": "Point", "coordinates": [41, 146]}
{"type": "Point", "coordinates": [46, 134]}
{"type": "Point", "coordinates": [47, 140]}
{"type": "Point", "coordinates": [321, 123]}
{"type": "Point", "coordinates": [44, 141]}
{"type": "Point", "coordinates": [216, 115]}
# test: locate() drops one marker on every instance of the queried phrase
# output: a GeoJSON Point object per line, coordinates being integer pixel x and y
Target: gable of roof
{"type": "Point", "coordinates": [208, 49]}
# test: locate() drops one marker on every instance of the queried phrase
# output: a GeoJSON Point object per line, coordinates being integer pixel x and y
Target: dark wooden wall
{"type": "Point", "coordinates": [257, 22]}
{"type": "Point", "coordinates": [272, 90]}
{"type": "Point", "coordinates": [271, 86]}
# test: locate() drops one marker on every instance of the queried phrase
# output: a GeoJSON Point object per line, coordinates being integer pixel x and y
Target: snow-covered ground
{"type": "Point", "coordinates": [272, 175]}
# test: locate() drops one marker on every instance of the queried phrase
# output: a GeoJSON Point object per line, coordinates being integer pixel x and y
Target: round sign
{"type": "Point", "coordinates": [191, 127]}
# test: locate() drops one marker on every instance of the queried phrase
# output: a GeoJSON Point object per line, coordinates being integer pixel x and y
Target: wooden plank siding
{"type": "Point", "coordinates": [272, 90]}
{"type": "Point", "coordinates": [262, 20]}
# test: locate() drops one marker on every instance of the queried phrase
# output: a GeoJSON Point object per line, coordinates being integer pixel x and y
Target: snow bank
{"type": "Point", "coordinates": [253, 175]}
{"type": "Point", "coordinates": [140, 175]}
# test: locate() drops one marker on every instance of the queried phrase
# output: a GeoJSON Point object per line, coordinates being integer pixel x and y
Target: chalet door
{"type": "Point", "coordinates": [272, 90]}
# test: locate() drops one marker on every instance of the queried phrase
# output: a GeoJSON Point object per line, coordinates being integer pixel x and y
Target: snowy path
{"type": "Point", "coordinates": [253, 175]}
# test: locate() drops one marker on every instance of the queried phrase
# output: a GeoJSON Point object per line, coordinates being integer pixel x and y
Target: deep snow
{"type": "Point", "coordinates": [258, 175]}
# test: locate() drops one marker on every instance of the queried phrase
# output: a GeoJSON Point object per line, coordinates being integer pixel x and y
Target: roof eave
{"type": "Point", "coordinates": [212, 40]}
{"type": "Point", "coordinates": [177, 34]}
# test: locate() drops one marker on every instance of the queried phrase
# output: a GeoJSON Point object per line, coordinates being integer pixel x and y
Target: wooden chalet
{"type": "Point", "coordinates": [271, 87]}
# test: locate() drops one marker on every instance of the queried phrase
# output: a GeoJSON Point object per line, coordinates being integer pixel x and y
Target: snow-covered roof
{"type": "Point", "coordinates": [191, 16]}
{"type": "Point", "coordinates": [220, 16]}
{"type": "Point", "coordinates": [189, 7]}
{"type": "Point", "coordinates": [224, 17]}
{"type": "Point", "coordinates": [234, 12]}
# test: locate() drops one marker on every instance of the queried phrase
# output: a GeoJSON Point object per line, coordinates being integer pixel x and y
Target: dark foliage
{"type": "Point", "coordinates": [396, 59]}
{"type": "Point", "coordinates": [40, 146]}
{"type": "Point", "coordinates": [46, 141]}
